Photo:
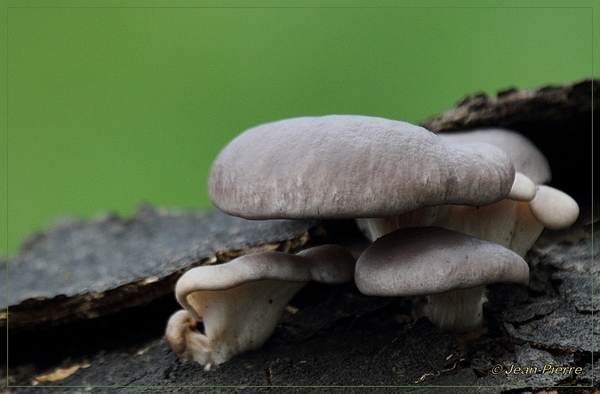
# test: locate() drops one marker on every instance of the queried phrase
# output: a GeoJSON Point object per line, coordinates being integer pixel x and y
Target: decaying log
{"type": "Point", "coordinates": [536, 336]}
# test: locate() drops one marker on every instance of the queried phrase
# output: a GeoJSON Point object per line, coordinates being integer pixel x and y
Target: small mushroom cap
{"type": "Point", "coordinates": [348, 166]}
{"type": "Point", "coordinates": [523, 188]}
{"type": "Point", "coordinates": [326, 264]}
{"type": "Point", "coordinates": [433, 260]}
{"type": "Point", "coordinates": [526, 157]}
{"type": "Point", "coordinates": [553, 208]}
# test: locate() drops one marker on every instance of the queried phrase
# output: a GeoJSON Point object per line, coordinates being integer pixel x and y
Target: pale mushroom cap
{"type": "Point", "coordinates": [326, 264]}
{"type": "Point", "coordinates": [553, 208]}
{"type": "Point", "coordinates": [526, 157]}
{"type": "Point", "coordinates": [240, 302]}
{"type": "Point", "coordinates": [432, 260]}
{"type": "Point", "coordinates": [347, 166]}
{"type": "Point", "coordinates": [523, 188]}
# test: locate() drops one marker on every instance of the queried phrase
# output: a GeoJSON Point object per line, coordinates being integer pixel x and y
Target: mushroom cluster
{"type": "Point", "coordinates": [446, 214]}
{"type": "Point", "coordinates": [515, 223]}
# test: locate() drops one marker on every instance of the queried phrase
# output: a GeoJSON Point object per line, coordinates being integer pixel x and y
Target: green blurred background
{"type": "Point", "coordinates": [111, 104]}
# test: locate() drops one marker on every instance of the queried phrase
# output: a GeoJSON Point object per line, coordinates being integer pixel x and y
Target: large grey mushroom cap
{"type": "Point", "coordinates": [526, 157]}
{"type": "Point", "coordinates": [348, 166]}
{"type": "Point", "coordinates": [433, 260]}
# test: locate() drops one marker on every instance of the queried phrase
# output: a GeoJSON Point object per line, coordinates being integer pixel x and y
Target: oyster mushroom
{"type": "Point", "coordinates": [512, 223]}
{"type": "Point", "coordinates": [234, 307]}
{"type": "Point", "coordinates": [348, 166]}
{"type": "Point", "coordinates": [508, 222]}
{"type": "Point", "coordinates": [531, 168]}
{"type": "Point", "coordinates": [387, 174]}
{"type": "Point", "coordinates": [450, 269]}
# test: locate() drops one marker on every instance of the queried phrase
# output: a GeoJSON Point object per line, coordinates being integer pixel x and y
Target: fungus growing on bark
{"type": "Point", "coordinates": [348, 166]}
{"type": "Point", "coordinates": [234, 307]}
{"type": "Point", "coordinates": [450, 269]}
{"type": "Point", "coordinates": [456, 304]}
{"type": "Point", "coordinates": [388, 175]}
{"type": "Point", "coordinates": [514, 223]}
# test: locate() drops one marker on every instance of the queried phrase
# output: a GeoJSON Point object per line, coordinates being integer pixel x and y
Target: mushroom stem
{"type": "Point", "coordinates": [235, 320]}
{"type": "Point", "coordinates": [374, 228]}
{"type": "Point", "coordinates": [457, 310]}
{"type": "Point", "coordinates": [447, 269]}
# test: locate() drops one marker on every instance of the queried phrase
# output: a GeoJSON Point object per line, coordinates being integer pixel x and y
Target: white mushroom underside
{"type": "Point", "coordinates": [508, 223]}
{"type": "Point", "coordinates": [236, 320]}
{"type": "Point", "coordinates": [234, 307]}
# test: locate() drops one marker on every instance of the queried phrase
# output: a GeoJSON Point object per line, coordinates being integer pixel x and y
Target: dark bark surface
{"type": "Point", "coordinates": [332, 335]}
{"type": "Point", "coordinates": [94, 269]}
{"type": "Point", "coordinates": [337, 337]}
{"type": "Point", "coordinates": [558, 119]}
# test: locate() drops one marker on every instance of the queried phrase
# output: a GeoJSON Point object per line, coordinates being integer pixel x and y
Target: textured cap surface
{"type": "Point", "coordinates": [325, 263]}
{"type": "Point", "coordinates": [432, 260]}
{"type": "Point", "coordinates": [347, 166]}
{"type": "Point", "coordinates": [526, 157]}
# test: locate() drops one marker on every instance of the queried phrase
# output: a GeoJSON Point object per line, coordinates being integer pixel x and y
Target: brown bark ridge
{"type": "Point", "coordinates": [558, 119]}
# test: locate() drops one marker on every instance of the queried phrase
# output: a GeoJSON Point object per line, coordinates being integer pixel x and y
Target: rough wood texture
{"type": "Point", "coordinates": [556, 118]}
{"type": "Point", "coordinates": [334, 336]}
{"type": "Point", "coordinates": [79, 270]}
